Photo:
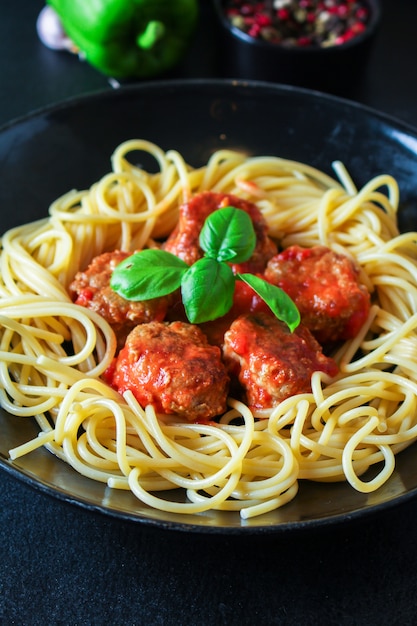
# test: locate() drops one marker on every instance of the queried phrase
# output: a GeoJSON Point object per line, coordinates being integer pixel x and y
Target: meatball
{"type": "Point", "coordinates": [245, 300]}
{"type": "Point", "coordinates": [326, 289]}
{"type": "Point", "coordinates": [91, 288]}
{"type": "Point", "coordinates": [172, 367]}
{"type": "Point", "coordinates": [272, 363]}
{"type": "Point", "coordinates": [183, 241]}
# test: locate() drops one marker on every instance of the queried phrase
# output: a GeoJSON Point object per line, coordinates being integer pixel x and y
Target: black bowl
{"type": "Point", "coordinates": [69, 146]}
{"type": "Point", "coordinates": [335, 69]}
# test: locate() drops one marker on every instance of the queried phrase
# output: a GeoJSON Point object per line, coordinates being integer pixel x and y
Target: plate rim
{"type": "Point", "coordinates": [233, 83]}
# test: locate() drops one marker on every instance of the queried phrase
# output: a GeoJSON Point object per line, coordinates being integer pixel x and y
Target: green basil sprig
{"type": "Point", "coordinates": [207, 286]}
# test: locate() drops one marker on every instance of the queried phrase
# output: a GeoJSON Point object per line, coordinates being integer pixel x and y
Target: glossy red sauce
{"type": "Point", "coordinates": [174, 368]}
{"type": "Point", "coordinates": [184, 240]}
{"type": "Point", "coordinates": [272, 363]}
{"type": "Point", "coordinates": [326, 289]}
{"type": "Point", "coordinates": [187, 370]}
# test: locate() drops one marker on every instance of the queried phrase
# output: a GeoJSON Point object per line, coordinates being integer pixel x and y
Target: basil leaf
{"type": "Point", "coordinates": [207, 290]}
{"type": "Point", "coordinates": [228, 235]}
{"type": "Point", "coordinates": [278, 301]}
{"type": "Point", "coordinates": [148, 274]}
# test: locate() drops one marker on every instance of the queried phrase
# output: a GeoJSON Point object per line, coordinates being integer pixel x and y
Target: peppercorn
{"type": "Point", "coordinates": [299, 22]}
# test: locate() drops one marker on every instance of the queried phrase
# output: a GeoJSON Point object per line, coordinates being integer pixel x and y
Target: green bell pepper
{"type": "Point", "coordinates": [129, 38]}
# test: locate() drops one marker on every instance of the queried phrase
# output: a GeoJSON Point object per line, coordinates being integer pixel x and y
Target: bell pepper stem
{"type": "Point", "coordinates": [153, 32]}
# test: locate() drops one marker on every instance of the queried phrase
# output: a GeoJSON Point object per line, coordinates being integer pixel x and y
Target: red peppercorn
{"type": "Point", "coordinates": [263, 20]}
{"type": "Point", "coordinates": [254, 31]}
{"type": "Point", "coordinates": [358, 28]}
{"type": "Point", "coordinates": [283, 14]}
{"type": "Point", "coordinates": [361, 14]}
{"type": "Point", "coordinates": [246, 9]}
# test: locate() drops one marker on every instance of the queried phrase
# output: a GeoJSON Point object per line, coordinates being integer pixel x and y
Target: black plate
{"type": "Point", "coordinates": [69, 146]}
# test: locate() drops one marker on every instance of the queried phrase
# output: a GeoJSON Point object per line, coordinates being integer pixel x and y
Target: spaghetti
{"type": "Point", "coordinates": [53, 352]}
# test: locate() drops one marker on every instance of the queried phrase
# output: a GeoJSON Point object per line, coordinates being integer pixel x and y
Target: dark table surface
{"type": "Point", "coordinates": [61, 564]}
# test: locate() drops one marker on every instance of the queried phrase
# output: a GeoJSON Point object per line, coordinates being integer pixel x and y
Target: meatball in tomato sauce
{"type": "Point", "coordinates": [325, 286]}
{"type": "Point", "coordinates": [271, 362]}
{"type": "Point", "coordinates": [173, 367]}
{"type": "Point", "coordinates": [91, 288]}
{"type": "Point", "coordinates": [245, 300]}
{"type": "Point", "coordinates": [184, 240]}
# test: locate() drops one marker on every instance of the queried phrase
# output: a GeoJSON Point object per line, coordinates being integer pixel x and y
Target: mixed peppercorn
{"type": "Point", "coordinates": [299, 22]}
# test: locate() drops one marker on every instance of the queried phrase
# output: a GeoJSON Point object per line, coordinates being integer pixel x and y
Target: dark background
{"type": "Point", "coordinates": [60, 564]}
